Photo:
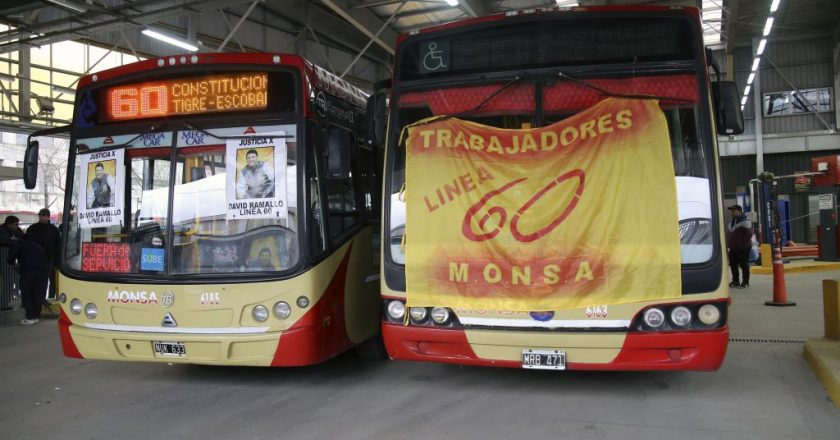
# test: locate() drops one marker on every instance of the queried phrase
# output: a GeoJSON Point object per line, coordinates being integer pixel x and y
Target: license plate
{"type": "Point", "coordinates": [170, 348]}
{"type": "Point", "coordinates": [544, 359]}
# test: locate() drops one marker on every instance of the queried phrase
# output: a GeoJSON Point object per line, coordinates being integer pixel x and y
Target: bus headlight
{"type": "Point", "coordinates": [90, 311]}
{"type": "Point", "coordinates": [418, 314]}
{"type": "Point", "coordinates": [260, 313]}
{"type": "Point", "coordinates": [76, 306]}
{"type": "Point", "coordinates": [303, 302]}
{"type": "Point", "coordinates": [62, 298]}
{"type": "Point", "coordinates": [396, 310]}
{"type": "Point", "coordinates": [282, 310]}
{"type": "Point", "coordinates": [440, 315]}
{"type": "Point", "coordinates": [681, 316]}
{"type": "Point", "coordinates": [709, 314]}
{"type": "Point", "coordinates": [654, 318]}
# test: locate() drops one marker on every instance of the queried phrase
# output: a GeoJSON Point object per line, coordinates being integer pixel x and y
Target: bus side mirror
{"type": "Point", "coordinates": [339, 146]}
{"type": "Point", "coordinates": [376, 119]}
{"type": "Point", "coordinates": [30, 165]}
{"type": "Point", "coordinates": [730, 120]}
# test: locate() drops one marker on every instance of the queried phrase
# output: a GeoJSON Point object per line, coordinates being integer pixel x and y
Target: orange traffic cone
{"type": "Point", "coordinates": [779, 289]}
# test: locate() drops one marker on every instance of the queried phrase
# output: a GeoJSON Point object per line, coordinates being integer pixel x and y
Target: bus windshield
{"type": "Point", "coordinates": [526, 105]}
{"type": "Point", "coordinates": [189, 204]}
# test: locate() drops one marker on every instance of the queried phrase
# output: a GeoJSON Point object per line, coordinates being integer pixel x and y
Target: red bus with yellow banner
{"type": "Point", "coordinates": [221, 209]}
{"type": "Point", "coordinates": [552, 198]}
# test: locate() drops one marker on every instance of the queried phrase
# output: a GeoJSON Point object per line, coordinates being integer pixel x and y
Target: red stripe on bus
{"type": "Point", "coordinates": [67, 344]}
{"type": "Point", "coordinates": [320, 333]}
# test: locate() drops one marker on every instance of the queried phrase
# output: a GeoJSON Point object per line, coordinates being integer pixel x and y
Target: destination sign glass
{"type": "Point", "coordinates": [231, 92]}
{"type": "Point", "coordinates": [545, 41]}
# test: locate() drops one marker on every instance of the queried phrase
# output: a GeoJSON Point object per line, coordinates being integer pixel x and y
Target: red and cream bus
{"type": "Point", "coordinates": [552, 194]}
{"type": "Point", "coordinates": [221, 209]}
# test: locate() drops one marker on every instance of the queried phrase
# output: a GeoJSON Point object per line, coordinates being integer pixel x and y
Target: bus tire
{"type": "Point", "coordinates": [372, 349]}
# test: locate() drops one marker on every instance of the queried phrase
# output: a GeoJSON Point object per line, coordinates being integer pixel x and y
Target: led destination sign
{"type": "Point", "coordinates": [183, 96]}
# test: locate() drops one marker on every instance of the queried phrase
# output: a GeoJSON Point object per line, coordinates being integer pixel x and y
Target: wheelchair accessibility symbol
{"type": "Point", "coordinates": [434, 56]}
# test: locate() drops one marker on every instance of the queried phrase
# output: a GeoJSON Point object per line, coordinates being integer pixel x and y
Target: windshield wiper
{"type": "Point", "coordinates": [620, 95]}
{"type": "Point", "coordinates": [489, 97]}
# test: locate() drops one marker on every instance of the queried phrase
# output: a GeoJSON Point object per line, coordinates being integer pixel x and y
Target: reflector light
{"type": "Point", "coordinates": [396, 310]}
{"type": "Point", "coordinates": [260, 313]}
{"type": "Point", "coordinates": [76, 306]}
{"type": "Point", "coordinates": [418, 314]}
{"type": "Point", "coordinates": [681, 316]}
{"type": "Point", "coordinates": [91, 311]}
{"type": "Point", "coordinates": [654, 318]}
{"type": "Point", "coordinates": [708, 314]}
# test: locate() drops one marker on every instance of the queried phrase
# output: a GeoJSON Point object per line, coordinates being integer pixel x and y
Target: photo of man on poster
{"type": "Point", "coordinates": [102, 186]}
{"type": "Point", "coordinates": [255, 179]}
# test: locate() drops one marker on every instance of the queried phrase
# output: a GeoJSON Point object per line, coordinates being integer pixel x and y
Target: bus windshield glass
{"type": "Point", "coordinates": [185, 202]}
{"type": "Point", "coordinates": [526, 105]}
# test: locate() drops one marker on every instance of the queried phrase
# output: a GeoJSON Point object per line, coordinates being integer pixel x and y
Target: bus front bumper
{"type": "Point", "coordinates": [293, 347]}
{"type": "Point", "coordinates": [695, 350]}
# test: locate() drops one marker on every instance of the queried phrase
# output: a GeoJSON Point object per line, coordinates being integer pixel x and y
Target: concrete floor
{"type": "Point", "coordinates": [763, 391]}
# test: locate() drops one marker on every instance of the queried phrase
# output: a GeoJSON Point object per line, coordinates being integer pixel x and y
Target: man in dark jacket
{"type": "Point", "coordinates": [10, 231]}
{"type": "Point", "coordinates": [47, 236]}
{"type": "Point", "coordinates": [32, 263]}
{"type": "Point", "coordinates": [739, 240]}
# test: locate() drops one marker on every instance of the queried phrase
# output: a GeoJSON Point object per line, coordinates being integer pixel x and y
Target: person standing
{"type": "Point", "coordinates": [10, 234]}
{"type": "Point", "coordinates": [739, 240]}
{"type": "Point", "coordinates": [47, 236]}
{"type": "Point", "coordinates": [32, 263]}
{"type": "Point", "coordinates": [10, 231]}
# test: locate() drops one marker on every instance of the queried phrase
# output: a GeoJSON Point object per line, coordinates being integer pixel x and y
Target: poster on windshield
{"type": "Point", "coordinates": [256, 177]}
{"type": "Point", "coordinates": [102, 189]}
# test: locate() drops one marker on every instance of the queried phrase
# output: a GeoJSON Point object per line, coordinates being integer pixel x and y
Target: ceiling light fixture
{"type": "Point", "coordinates": [452, 2]}
{"type": "Point", "coordinates": [768, 25]}
{"type": "Point", "coordinates": [774, 5]}
{"type": "Point", "coordinates": [761, 45]}
{"type": "Point", "coordinates": [171, 40]}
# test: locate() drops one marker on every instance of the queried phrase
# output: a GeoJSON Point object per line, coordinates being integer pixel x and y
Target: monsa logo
{"type": "Point", "coordinates": [132, 297]}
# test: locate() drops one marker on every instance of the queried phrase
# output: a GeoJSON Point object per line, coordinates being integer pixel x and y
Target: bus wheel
{"type": "Point", "coordinates": [372, 349]}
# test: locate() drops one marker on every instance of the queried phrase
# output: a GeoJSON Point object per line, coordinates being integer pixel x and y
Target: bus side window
{"type": "Point", "coordinates": [368, 182]}
{"type": "Point", "coordinates": [317, 242]}
{"type": "Point", "coordinates": [342, 209]}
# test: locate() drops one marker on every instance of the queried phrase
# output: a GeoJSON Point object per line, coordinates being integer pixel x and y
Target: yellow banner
{"type": "Point", "coordinates": [581, 212]}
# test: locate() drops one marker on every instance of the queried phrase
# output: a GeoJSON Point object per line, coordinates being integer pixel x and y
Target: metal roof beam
{"type": "Point", "coordinates": [114, 24]}
{"type": "Point", "coordinates": [328, 26]}
{"type": "Point", "coordinates": [730, 27]}
{"type": "Point", "coordinates": [366, 22]}
{"type": "Point", "coordinates": [473, 8]}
